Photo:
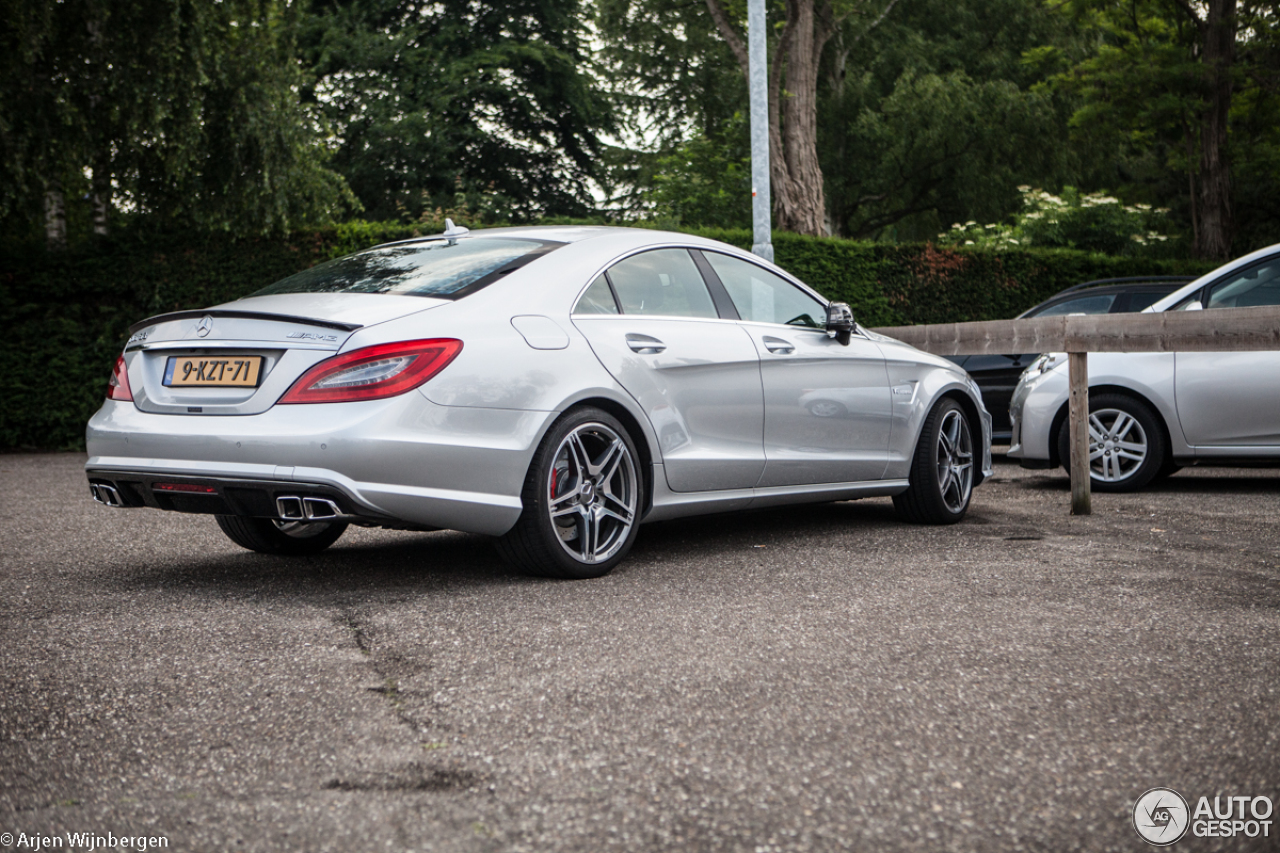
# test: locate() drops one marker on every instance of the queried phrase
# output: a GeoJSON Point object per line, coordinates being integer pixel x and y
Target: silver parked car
{"type": "Point", "coordinates": [1151, 413]}
{"type": "Point", "coordinates": [550, 386]}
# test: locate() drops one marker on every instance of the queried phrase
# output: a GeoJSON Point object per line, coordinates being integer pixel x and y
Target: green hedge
{"type": "Point", "coordinates": [68, 313]}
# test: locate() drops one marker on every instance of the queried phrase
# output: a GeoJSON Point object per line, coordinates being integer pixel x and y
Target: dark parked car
{"type": "Point", "coordinates": [997, 375]}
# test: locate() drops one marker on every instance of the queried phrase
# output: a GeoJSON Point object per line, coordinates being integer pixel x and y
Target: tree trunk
{"type": "Point", "coordinates": [101, 197]}
{"type": "Point", "coordinates": [1213, 236]}
{"type": "Point", "coordinates": [793, 125]}
{"type": "Point", "coordinates": [795, 176]}
{"type": "Point", "coordinates": [55, 217]}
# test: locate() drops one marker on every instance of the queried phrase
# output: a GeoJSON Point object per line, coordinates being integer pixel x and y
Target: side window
{"type": "Point", "coordinates": [1257, 285]}
{"type": "Point", "coordinates": [665, 282]}
{"type": "Point", "coordinates": [762, 297]}
{"type": "Point", "coordinates": [597, 299]}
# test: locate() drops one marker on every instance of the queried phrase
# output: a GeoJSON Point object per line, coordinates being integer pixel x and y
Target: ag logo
{"type": "Point", "coordinates": [1161, 816]}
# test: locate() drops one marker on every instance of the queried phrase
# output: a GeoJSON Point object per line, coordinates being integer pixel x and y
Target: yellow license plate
{"type": "Point", "coordinates": [236, 371]}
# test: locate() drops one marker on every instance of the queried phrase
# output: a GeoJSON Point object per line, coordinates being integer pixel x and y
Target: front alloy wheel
{"type": "Point", "coordinates": [941, 476]}
{"type": "Point", "coordinates": [581, 500]}
{"type": "Point", "coordinates": [1117, 445]}
{"type": "Point", "coordinates": [1126, 444]}
{"type": "Point", "coordinates": [954, 459]}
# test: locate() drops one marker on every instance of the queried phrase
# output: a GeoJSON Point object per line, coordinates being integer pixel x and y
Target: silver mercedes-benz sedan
{"type": "Point", "coordinates": [550, 386]}
{"type": "Point", "coordinates": [1152, 413]}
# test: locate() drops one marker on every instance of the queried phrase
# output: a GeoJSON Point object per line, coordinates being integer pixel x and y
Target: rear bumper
{"type": "Point", "coordinates": [403, 460]}
{"type": "Point", "coordinates": [227, 496]}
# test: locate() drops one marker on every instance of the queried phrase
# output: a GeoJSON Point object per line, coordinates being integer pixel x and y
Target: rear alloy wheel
{"type": "Point", "coordinates": [1126, 444]}
{"type": "Point", "coordinates": [941, 470]}
{"type": "Point", "coordinates": [581, 500]}
{"type": "Point", "coordinates": [283, 538]}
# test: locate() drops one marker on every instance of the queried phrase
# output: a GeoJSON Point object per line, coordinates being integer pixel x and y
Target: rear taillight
{"type": "Point", "coordinates": [118, 385]}
{"type": "Point", "coordinates": [372, 373]}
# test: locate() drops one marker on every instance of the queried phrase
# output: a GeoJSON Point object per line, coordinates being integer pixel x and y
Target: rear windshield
{"type": "Point", "coordinates": [446, 269]}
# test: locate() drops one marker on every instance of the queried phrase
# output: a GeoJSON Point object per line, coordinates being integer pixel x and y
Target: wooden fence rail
{"type": "Point", "coordinates": [1215, 330]}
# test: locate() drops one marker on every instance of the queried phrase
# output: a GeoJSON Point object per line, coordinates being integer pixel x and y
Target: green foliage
{"type": "Point", "coordinates": [177, 113]}
{"type": "Point", "coordinates": [934, 148]}
{"type": "Point", "coordinates": [1140, 95]}
{"type": "Point", "coordinates": [492, 99]}
{"type": "Point", "coordinates": [704, 185]}
{"type": "Point", "coordinates": [1094, 222]}
{"type": "Point", "coordinates": [68, 312]}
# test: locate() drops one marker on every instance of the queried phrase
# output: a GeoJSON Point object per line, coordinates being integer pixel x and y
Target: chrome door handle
{"type": "Point", "coordinates": [645, 345]}
{"type": "Point", "coordinates": [778, 346]}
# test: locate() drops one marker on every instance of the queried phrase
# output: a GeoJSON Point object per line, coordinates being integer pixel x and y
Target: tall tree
{"type": "Point", "coordinates": [935, 117]}
{"type": "Point", "coordinates": [491, 99]}
{"type": "Point", "coordinates": [173, 112]}
{"type": "Point", "coordinates": [1181, 74]}
{"type": "Point", "coordinates": [794, 170]}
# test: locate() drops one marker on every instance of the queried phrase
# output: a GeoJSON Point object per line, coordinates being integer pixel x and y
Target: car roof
{"type": "Point", "coordinates": [567, 234]}
{"type": "Point", "coordinates": [1107, 286]}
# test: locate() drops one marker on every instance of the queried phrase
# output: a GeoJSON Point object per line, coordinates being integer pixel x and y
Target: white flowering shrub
{"type": "Point", "coordinates": [1091, 221]}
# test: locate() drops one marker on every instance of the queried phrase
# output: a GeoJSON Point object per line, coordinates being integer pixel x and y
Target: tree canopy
{"type": "Point", "coordinates": [891, 120]}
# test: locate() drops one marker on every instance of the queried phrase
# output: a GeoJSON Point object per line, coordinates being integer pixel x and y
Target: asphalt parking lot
{"type": "Point", "coordinates": [814, 678]}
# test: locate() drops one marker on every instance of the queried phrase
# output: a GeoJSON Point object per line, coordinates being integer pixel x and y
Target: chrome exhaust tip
{"type": "Point", "coordinates": [106, 495]}
{"type": "Point", "coordinates": [320, 509]}
{"type": "Point", "coordinates": [290, 508]}
{"type": "Point", "coordinates": [294, 508]}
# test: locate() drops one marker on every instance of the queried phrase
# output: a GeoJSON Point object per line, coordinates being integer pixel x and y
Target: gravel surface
{"type": "Point", "coordinates": [814, 678]}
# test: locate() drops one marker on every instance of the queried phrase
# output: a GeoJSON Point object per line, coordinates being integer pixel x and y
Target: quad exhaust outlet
{"type": "Point", "coordinates": [106, 495]}
{"type": "Point", "coordinates": [294, 508]}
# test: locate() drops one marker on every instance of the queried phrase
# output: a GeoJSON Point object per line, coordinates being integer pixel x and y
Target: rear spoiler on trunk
{"type": "Point", "coordinates": [244, 315]}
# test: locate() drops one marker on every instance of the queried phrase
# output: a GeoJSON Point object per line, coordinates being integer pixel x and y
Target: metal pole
{"type": "Point", "coordinates": [1078, 426]}
{"type": "Point", "coordinates": [757, 42]}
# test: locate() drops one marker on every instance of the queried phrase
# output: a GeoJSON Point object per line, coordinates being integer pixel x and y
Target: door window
{"type": "Point", "coordinates": [763, 297]}
{"type": "Point", "coordinates": [662, 282]}
{"type": "Point", "coordinates": [1257, 285]}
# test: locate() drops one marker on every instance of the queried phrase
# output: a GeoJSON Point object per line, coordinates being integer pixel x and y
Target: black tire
{"type": "Point", "coordinates": [574, 474]}
{"type": "Point", "coordinates": [1121, 472]}
{"type": "Point", "coordinates": [1167, 470]}
{"type": "Point", "coordinates": [292, 539]}
{"type": "Point", "coordinates": [941, 478]}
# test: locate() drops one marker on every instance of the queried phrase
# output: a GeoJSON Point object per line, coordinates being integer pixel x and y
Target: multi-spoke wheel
{"type": "Point", "coordinates": [1126, 444]}
{"type": "Point", "coordinates": [942, 469]}
{"type": "Point", "coordinates": [288, 538]}
{"type": "Point", "coordinates": [581, 500]}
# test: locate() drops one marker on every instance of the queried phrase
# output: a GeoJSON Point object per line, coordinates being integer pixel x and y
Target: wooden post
{"type": "Point", "coordinates": [1078, 378]}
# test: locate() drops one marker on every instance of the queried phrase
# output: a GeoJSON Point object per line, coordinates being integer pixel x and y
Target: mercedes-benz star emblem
{"type": "Point", "coordinates": [205, 326]}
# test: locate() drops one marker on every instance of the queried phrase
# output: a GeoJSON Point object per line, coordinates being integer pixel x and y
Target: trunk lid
{"type": "Point", "coordinates": [257, 347]}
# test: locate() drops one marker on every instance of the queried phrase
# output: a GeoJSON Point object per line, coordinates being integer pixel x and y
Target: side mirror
{"type": "Point", "coordinates": [840, 323]}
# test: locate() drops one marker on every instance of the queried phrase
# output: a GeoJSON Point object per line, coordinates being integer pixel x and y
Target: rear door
{"type": "Point", "coordinates": [652, 322]}
{"type": "Point", "coordinates": [827, 407]}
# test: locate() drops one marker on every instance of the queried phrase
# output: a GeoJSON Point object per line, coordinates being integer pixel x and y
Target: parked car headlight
{"type": "Point", "coordinates": [1044, 363]}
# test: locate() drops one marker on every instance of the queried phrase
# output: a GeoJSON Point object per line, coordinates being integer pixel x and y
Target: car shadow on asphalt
{"type": "Point", "coordinates": [1247, 482]}
{"type": "Point", "coordinates": [408, 564]}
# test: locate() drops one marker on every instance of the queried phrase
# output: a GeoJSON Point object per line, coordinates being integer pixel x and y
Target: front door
{"type": "Point", "coordinates": [1232, 399]}
{"type": "Point", "coordinates": [827, 407]}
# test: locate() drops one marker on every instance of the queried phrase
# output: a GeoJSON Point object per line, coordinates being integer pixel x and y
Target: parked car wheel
{"type": "Point", "coordinates": [284, 538]}
{"type": "Point", "coordinates": [1126, 443]}
{"type": "Point", "coordinates": [941, 469]}
{"type": "Point", "coordinates": [581, 500]}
